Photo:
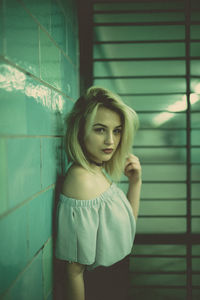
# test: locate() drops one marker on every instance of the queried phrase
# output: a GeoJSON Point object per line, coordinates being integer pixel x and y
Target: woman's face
{"type": "Point", "coordinates": [104, 136]}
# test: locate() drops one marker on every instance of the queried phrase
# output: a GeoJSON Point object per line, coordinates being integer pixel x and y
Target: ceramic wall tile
{"type": "Point", "coordinates": [72, 45]}
{"type": "Point", "coordinates": [12, 101]}
{"type": "Point", "coordinates": [47, 267]}
{"type": "Point", "coordinates": [23, 169]}
{"type": "Point", "coordinates": [41, 11]}
{"type": "Point", "coordinates": [29, 283]}
{"type": "Point", "coordinates": [67, 70]}
{"type": "Point", "coordinates": [45, 109]}
{"type": "Point", "coordinates": [38, 86]}
{"type": "Point", "coordinates": [21, 37]}
{"type": "Point", "coordinates": [58, 25]}
{"type": "Point", "coordinates": [13, 246]}
{"type": "Point", "coordinates": [3, 176]}
{"type": "Point", "coordinates": [50, 296]}
{"type": "Point", "coordinates": [40, 211]}
{"type": "Point", "coordinates": [2, 28]}
{"type": "Point", "coordinates": [50, 160]}
{"type": "Point", "coordinates": [49, 61]}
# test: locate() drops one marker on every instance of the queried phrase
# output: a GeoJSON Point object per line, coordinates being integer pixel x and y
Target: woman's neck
{"type": "Point", "coordinates": [98, 164]}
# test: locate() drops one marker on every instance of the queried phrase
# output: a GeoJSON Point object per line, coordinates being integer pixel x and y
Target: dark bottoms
{"type": "Point", "coordinates": [108, 283]}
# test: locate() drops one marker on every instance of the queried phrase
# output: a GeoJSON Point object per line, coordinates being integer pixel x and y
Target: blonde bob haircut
{"type": "Point", "coordinates": [86, 108]}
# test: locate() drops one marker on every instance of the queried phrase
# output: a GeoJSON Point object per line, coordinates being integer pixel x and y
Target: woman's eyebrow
{"type": "Point", "coordinates": [99, 124]}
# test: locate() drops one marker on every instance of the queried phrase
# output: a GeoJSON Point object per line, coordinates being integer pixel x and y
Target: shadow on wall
{"type": "Point", "coordinates": [58, 265]}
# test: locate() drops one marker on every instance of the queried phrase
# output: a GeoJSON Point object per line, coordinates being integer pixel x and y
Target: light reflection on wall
{"type": "Point", "coordinates": [12, 79]}
{"type": "Point", "coordinates": [178, 106]}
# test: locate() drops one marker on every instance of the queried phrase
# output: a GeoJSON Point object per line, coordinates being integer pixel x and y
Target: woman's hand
{"type": "Point", "coordinates": [133, 169]}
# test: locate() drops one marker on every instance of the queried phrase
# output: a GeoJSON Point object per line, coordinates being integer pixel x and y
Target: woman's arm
{"type": "Point", "coordinates": [134, 173]}
{"type": "Point", "coordinates": [77, 185]}
{"type": "Point", "coordinates": [75, 289]}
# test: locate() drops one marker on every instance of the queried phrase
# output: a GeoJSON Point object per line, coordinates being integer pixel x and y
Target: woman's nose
{"type": "Point", "coordinates": [109, 139]}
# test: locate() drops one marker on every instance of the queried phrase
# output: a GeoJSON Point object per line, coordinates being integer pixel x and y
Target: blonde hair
{"type": "Point", "coordinates": [86, 108]}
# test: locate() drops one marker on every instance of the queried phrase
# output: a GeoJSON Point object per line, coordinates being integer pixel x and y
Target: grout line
{"type": "Point", "coordinates": [41, 181]}
{"type": "Point", "coordinates": [46, 32]}
{"type": "Point", "coordinates": [49, 293]}
{"type": "Point", "coordinates": [39, 53]}
{"type": "Point", "coordinates": [24, 269]}
{"type": "Point", "coordinates": [47, 241]}
{"type": "Point", "coordinates": [3, 28]}
{"type": "Point", "coordinates": [26, 201]}
{"type": "Point", "coordinates": [43, 273]}
{"type": "Point", "coordinates": [30, 136]}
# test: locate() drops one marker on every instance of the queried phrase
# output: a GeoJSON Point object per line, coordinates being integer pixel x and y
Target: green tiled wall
{"type": "Point", "coordinates": [39, 82]}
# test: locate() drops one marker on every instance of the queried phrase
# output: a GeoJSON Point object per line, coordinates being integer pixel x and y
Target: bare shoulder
{"type": "Point", "coordinates": [78, 183]}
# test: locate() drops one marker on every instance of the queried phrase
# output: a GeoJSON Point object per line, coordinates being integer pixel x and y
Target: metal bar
{"type": "Point", "coordinates": [144, 77]}
{"type": "Point", "coordinates": [142, 42]}
{"type": "Point", "coordinates": [194, 22]}
{"type": "Point", "coordinates": [188, 149]}
{"type": "Point", "coordinates": [150, 94]}
{"type": "Point", "coordinates": [85, 32]}
{"type": "Point", "coordinates": [169, 163]}
{"type": "Point", "coordinates": [129, 1]}
{"type": "Point", "coordinates": [168, 199]}
{"type": "Point", "coordinates": [145, 42]}
{"type": "Point", "coordinates": [169, 129]}
{"type": "Point", "coordinates": [168, 216]}
{"type": "Point", "coordinates": [159, 181]}
{"type": "Point", "coordinates": [173, 287]}
{"type": "Point", "coordinates": [162, 216]}
{"type": "Point", "coordinates": [194, 58]}
{"type": "Point", "coordinates": [163, 238]}
{"type": "Point", "coordinates": [159, 256]}
{"type": "Point", "coordinates": [158, 111]}
{"type": "Point", "coordinates": [139, 77]}
{"type": "Point", "coordinates": [163, 199]}
{"type": "Point", "coordinates": [162, 256]}
{"type": "Point", "coordinates": [158, 147]}
{"type": "Point", "coordinates": [165, 181]}
{"type": "Point", "coordinates": [162, 129]}
{"type": "Point", "coordinates": [147, 11]}
{"type": "Point", "coordinates": [141, 59]}
{"type": "Point", "coordinates": [162, 146]}
{"type": "Point", "coordinates": [160, 272]}
{"type": "Point", "coordinates": [162, 164]}
{"type": "Point", "coordinates": [121, 24]}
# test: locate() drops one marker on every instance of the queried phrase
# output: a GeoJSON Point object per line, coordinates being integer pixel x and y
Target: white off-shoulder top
{"type": "Point", "coordinates": [96, 232]}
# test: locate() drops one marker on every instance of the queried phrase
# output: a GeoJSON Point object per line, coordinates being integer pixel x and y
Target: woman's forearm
{"type": "Point", "coordinates": [75, 287]}
{"type": "Point", "coordinates": [133, 196]}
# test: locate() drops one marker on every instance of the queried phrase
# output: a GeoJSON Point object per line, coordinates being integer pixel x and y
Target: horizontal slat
{"type": "Point", "coordinates": [147, 11]}
{"type": "Point", "coordinates": [115, 24]}
{"type": "Point", "coordinates": [175, 239]}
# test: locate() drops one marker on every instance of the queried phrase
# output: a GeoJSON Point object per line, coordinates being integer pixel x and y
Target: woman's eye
{"type": "Point", "coordinates": [100, 130]}
{"type": "Point", "coordinates": [117, 131]}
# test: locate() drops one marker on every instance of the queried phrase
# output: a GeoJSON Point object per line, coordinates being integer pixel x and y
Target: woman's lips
{"type": "Point", "coordinates": [107, 151]}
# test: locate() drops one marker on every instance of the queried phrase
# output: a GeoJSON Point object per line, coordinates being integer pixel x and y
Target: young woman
{"type": "Point", "coordinates": [96, 221]}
